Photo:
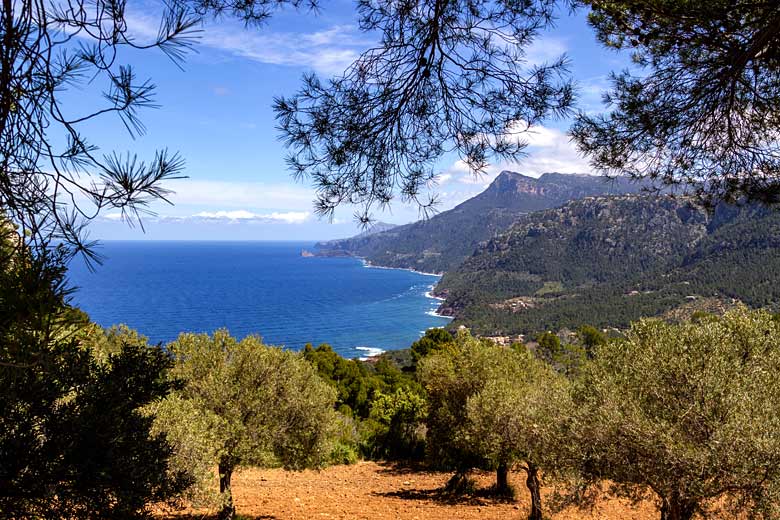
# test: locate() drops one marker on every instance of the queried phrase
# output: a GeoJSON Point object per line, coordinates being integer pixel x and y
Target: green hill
{"type": "Point", "coordinates": [609, 260]}
{"type": "Point", "coordinates": [442, 242]}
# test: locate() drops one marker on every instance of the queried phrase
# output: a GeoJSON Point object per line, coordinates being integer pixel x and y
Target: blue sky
{"type": "Point", "coordinates": [217, 114]}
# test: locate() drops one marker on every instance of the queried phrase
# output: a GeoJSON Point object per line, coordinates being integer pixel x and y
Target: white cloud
{"type": "Point", "coordinates": [549, 150]}
{"type": "Point", "coordinates": [459, 171]}
{"type": "Point", "coordinates": [546, 50]}
{"type": "Point", "coordinates": [228, 217]}
{"type": "Point", "coordinates": [329, 51]}
{"type": "Point", "coordinates": [590, 93]}
{"type": "Point", "coordinates": [239, 195]}
{"type": "Point", "coordinates": [289, 217]}
{"type": "Point", "coordinates": [443, 178]}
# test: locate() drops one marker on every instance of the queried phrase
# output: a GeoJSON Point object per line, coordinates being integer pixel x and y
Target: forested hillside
{"type": "Point", "coordinates": [610, 260]}
{"type": "Point", "coordinates": [442, 242]}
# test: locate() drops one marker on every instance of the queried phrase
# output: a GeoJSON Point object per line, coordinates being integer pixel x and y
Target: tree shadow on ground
{"type": "Point", "coordinates": [399, 468]}
{"type": "Point", "coordinates": [479, 497]}
{"type": "Point", "coordinates": [214, 516]}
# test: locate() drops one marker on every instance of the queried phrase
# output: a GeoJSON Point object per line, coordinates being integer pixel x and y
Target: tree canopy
{"type": "Point", "coordinates": [514, 420]}
{"type": "Point", "coordinates": [703, 110]}
{"type": "Point", "coordinates": [53, 180]}
{"type": "Point", "coordinates": [495, 407]}
{"type": "Point", "coordinates": [74, 439]}
{"type": "Point", "coordinates": [445, 77]}
{"type": "Point", "coordinates": [687, 412]}
{"type": "Point", "coordinates": [263, 405]}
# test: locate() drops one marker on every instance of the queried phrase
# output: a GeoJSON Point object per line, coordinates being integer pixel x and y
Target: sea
{"type": "Point", "coordinates": [163, 288]}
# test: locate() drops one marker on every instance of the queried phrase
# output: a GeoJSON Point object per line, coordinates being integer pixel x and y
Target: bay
{"type": "Point", "coordinates": [265, 288]}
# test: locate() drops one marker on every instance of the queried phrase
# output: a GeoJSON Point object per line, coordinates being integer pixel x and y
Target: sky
{"type": "Point", "coordinates": [216, 112]}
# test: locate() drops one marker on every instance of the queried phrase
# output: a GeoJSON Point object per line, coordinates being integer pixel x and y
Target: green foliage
{"type": "Point", "coordinates": [450, 377]}
{"type": "Point", "coordinates": [345, 441]}
{"type": "Point", "coordinates": [195, 440]}
{"type": "Point", "coordinates": [266, 406]}
{"type": "Point", "coordinates": [549, 344]}
{"type": "Point", "coordinates": [74, 441]}
{"type": "Point", "coordinates": [699, 316]}
{"type": "Point", "coordinates": [349, 377]}
{"type": "Point", "coordinates": [591, 337]}
{"type": "Point", "coordinates": [517, 418]}
{"type": "Point", "coordinates": [701, 106]}
{"type": "Point", "coordinates": [549, 288]}
{"type": "Point", "coordinates": [615, 267]}
{"type": "Point", "coordinates": [366, 389]}
{"type": "Point", "coordinates": [689, 411]}
{"type": "Point", "coordinates": [565, 358]}
{"type": "Point", "coordinates": [400, 418]}
{"type": "Point", "coordinates": [103, 343]}
{"type": "Point", "coordinates": [493, 407]}
{"type": "Point", "coordinates": [433, 340]}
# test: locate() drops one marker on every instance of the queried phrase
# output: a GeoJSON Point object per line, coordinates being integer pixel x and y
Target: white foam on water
{"type": "Point", "coordinates": [370, 352]}
{"type": "Point", "coordinates": [368, 264]}
{"type": "Point", "coordinates": [437, 315]}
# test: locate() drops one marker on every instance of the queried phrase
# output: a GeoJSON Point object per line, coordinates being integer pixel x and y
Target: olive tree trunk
{"type": "Point", "coordinates": [674, 507]}
{"type": "Point", "coordinates": [532, 481]}
{"type": "Point", "coordinates": [228, 511]}
{"type": "Point", "coordinates": [502, 479]}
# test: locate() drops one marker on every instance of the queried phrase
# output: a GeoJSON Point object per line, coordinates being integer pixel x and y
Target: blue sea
{"type": "Point", "coordinates": [264, 288]}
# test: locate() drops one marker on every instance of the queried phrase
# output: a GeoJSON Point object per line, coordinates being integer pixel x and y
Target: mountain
{"type": "Point", "coordinates": [606, 261]}
{"type": "Point", "coordinates": [442, 242]}
{"type": "Point", "coordinates": [377, 227]}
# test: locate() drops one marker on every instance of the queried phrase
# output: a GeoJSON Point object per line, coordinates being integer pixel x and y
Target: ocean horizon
{"type": "Point", "coordinates": [266, 288]}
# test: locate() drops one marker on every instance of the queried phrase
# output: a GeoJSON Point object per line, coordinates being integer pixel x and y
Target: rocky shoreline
{"type": "Point", "coordinates": [442, 310]}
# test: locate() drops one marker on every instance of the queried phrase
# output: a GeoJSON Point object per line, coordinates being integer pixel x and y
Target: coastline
{"type": "Point", "coordinates": [372, 353]}
{"type": "Point", "coordinates": [368, 264]}
{"type": "Point", "coordinates": [427, 294]}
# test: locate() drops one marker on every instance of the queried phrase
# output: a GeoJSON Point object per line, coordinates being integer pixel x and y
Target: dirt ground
{"type": "Point", "coordinates": [370, 490]}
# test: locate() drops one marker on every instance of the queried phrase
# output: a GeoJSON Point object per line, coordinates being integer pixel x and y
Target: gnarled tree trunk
{"type": "Point", "coordinates": [674, 507]}
{"type": "Point", "coordinates": [502, 479]}
{"type": "Point", "coordinates": [228, 511]}
{"type": "Point", "coordinates": [532, 481]}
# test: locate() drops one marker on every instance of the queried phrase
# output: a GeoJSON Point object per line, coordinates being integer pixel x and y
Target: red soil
{"type": "Point", "coordinates": [370, 490]}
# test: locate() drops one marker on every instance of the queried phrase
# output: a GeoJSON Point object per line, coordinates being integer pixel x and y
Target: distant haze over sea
{"type": "Point", "coordinates": [265, 288]}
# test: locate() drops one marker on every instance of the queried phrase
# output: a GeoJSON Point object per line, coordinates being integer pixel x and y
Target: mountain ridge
{"type": "Point", "coordinates": [607, 261]}
{"type": "Point", "coordinates": [442, 242]}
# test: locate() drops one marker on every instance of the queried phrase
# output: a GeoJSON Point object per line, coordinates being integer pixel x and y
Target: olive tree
{"type": "Point", "coordinates": [450, 377]}
{"type": "Point", "coordinates": [517, 419]}
{"type": "Point", "coordinates": [491, 407]}
{"type": "Point", "coordinates": [689, 413]}
{"type": "Point", "coordinates": [263, 405]}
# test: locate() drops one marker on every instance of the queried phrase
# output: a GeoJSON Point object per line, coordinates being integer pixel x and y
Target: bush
{"type": "Point", "coordinates": [399, 419]}
{"type": "Point", "coordinates": [74, 441]}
